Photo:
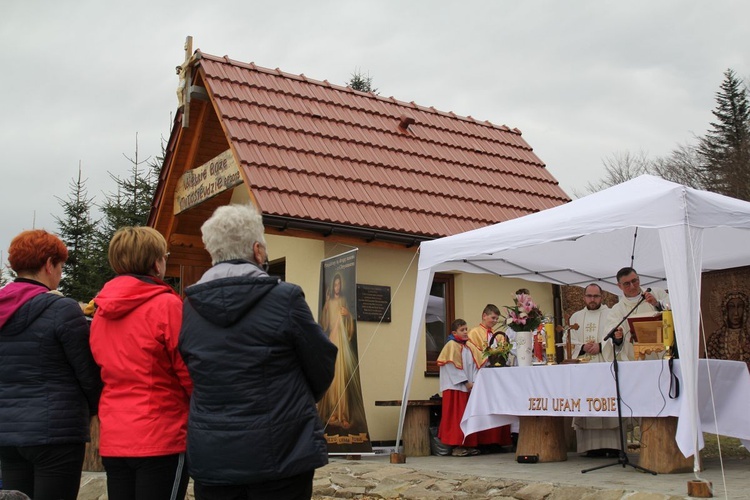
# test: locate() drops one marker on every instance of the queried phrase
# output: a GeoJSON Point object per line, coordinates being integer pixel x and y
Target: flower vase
{"type": "Point", "coordinates": [525, 348]}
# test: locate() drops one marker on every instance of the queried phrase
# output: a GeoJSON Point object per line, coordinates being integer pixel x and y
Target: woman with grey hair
{"type": "Point", "coordinates": [259, 362]}
{"type": "Point", "coordinates": [235, 232]}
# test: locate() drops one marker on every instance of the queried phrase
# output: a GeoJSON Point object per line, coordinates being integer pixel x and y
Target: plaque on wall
{"type": "Point", "coordinates": [373, 303]}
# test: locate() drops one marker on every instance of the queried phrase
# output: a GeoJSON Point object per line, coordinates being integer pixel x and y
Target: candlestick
{"type": "Point", "coordinates": [549, 330]}
{"type": "Point", "coordinates": [667, 332]}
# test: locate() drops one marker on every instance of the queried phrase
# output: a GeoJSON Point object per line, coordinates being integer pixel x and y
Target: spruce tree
{"type": "Point", "coordinates": [725, 149]}
{"type": "Point", "coordinates": [128, 205]}
{"type": "Point", "coordinates": [78, 231]}
{"type": "Point", "coordinates": [361, 82]}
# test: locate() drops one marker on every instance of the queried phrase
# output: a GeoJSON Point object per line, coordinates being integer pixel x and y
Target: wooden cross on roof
{"type": "Point", "coordinates": [183, 87]}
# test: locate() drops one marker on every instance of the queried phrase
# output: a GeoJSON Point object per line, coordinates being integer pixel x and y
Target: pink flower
{"type": "Point", "coordinates": [524, 315]}
{"type": "Point", "coordinates": [516, 318]}
{"type": "Point", "coordinates": [525, 303]}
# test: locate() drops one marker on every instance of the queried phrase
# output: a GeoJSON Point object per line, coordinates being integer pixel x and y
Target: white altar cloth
{"type": "Point", "coordinates": [501, 395]}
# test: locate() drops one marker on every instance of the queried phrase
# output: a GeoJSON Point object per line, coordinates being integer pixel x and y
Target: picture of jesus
{"type": "Point", "coordinates": [336, 320]}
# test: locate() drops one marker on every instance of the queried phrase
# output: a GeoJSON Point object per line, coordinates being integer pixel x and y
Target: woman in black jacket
{"type": "Point", "coordinates": [49, 383]}
{"type": "Point", "coordinates": [259, 362]}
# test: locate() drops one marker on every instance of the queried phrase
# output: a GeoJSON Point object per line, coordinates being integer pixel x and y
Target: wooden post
{"type": "Point", "coordinates": [659, 451]}
{"type": "Point", "coordinates": [416, 434]}
{"type": "Point", "coordinates": [92, 462]}
{"type": "Point", "coordinates": [700, 489]}
{"type": "Point", "coordinates": [544, 437]}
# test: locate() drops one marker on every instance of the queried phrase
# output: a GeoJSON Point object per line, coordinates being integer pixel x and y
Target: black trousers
{"type": "Point", "coordinates": [146, 478]}
{"type": "Point", "coordinates": [297, 487]}
{"type": "Point", "coordinates": [44, 472]}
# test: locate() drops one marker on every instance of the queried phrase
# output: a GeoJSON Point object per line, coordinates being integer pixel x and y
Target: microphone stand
{"type": "Point", "coordinates": [622, 459]}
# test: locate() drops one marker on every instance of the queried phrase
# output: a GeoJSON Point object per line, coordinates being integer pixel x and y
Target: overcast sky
{"type": "Point", "coordinates": [582, 80]}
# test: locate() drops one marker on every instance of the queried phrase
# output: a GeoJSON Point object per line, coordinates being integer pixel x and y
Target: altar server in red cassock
{"type": "Point", "coordinates": [457, 374]}
{"type": "Point", "coordinates": [479, 338]}
{"type": "Point", "coordinates": [457, 370]}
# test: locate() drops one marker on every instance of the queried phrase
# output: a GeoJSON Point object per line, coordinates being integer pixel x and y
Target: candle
{"type": "Point", "coordinates": [667, 328]}
{"type": "Point", "coordinates": [549, 329]}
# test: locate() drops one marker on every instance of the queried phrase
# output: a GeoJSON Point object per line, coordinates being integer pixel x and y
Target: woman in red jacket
{"type": "Point", "coordinates": [144, 405]}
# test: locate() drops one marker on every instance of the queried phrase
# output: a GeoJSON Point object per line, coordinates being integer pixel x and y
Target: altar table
{"type": "Point", "coordinates": [501, 395]}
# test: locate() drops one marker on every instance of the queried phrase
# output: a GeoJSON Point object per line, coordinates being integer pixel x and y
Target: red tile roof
{"type": "Point", "coordinates": [319, 152]}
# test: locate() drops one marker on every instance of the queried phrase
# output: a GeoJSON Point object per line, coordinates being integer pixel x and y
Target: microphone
{"type": "Point", "coordinates": [658, 305]}
{"type": "Point", "coordinates": [611, 334]}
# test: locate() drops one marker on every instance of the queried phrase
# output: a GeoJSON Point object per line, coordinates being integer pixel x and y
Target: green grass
{"type": "Point", "coordinates": [730, 447]}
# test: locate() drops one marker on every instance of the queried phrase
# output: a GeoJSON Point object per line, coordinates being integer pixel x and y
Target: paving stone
{"type": "Point", "coordinates": [343, 481]}
{"type": "Point", "coordinates": [653, 496]}
{"type": "Point", "coordinates": [351, 492]}
{"type": "Point", "coordinates": [379, 474]}
{"type": "Point", "coordinates": [495, 494]}
{"type": "Point", "coordinates": [387, 481]}
{"type": "Point", "coordinates": [574, 493]}
{"type": "Point", "coordinates": [481, 485]}
{"type": "Point", "coordinates": [419, 492]}
{"type": "Point", "coordinates": [321, 481]}
{"type": "Point", "coordinates": [448, 485]}
{"type": "Point", "coordinates": [603, 495]}
{"type": "Point", "coordinates": [536, 491]}
{"type": "Point", "coordinates": [649, 496]}
{"type": "Point", "coordinates": [510, 489]}
{"type": "Point", "coordinates": [324, 491]}
{"type": "Point", "coordinates": [385, 491]}
{"type": "Point", "coordinates": [93, 488]}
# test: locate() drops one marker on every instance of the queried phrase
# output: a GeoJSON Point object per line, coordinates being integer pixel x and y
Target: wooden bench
{"type": "Point", "coordinates": [416, 433]}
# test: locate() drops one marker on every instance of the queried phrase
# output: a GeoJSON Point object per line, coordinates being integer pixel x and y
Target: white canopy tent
{"type": "Point", "coordinates": [671, 232]}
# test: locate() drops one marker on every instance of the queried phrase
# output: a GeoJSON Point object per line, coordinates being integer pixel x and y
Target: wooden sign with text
{"type": "Point", "coordinates": [204, 182]}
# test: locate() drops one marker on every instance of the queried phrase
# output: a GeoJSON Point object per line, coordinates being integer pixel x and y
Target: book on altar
{"type": "Point", "coordinates": [646, 328]}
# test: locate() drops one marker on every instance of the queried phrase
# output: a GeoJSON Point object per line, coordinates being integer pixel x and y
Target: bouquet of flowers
{"type": "Point", "coordinates": [524, 316]}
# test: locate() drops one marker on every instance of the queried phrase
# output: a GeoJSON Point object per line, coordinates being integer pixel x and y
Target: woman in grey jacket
{"type": "Point", "coordinates": [259, 362]}
{"type": "Point", "coordinates": [49, 383]}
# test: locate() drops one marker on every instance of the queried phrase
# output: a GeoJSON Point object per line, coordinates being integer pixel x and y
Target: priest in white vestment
{"type": "Point", "coordinates": [595, 436]}
{"type": "Point", "coordinates": [587, 327]}
{"type": "Point", "coordinates": [655, 299]}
